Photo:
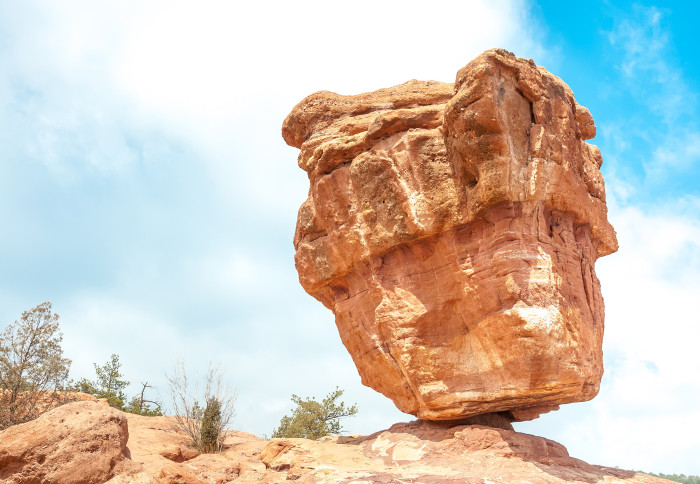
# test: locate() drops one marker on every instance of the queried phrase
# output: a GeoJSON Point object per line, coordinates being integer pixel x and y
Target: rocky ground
{"type": "Point", "coordinates": [89, 442]}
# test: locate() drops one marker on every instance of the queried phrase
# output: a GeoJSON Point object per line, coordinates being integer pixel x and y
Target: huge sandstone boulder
{"type": "Point", "coordinates": [453, 231]}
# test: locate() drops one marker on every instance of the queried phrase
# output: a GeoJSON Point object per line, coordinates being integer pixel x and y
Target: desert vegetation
{"type": "Point", "coordinates": [109, 384]}
{"type": "Point", "coordinates": [691, 479]}
{"type": "Point", "coordinates": [32, 366]}
{"type": "Point", "coordinates": [34, 379]}
{"type": "Point", "coordinates": [311, 419]}
{"type": "Point", "coordinates": [34, 376]}
{"type": "Point", "coordinates": [203, 408]}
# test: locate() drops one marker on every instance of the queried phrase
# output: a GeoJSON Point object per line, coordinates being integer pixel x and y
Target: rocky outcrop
{"type": "Point", "coordinates": [81, 442]}
{"type": "Point", "coordinates": [163, 454]}
{"type": "Point", "coordinates": [453, 230]}
{"type": "Point", "coordinates": [420, 452]}
{"type": "Point", "coordinates": [86, 442]}
{"type": "Point", "coordinates": [431, 452]}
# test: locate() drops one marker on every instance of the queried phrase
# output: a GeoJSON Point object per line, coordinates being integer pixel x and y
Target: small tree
{"type": "Point", "coordinates": [32, 366]}
{"type": "Point", "coordinates": [141, 406]}
{"type": "Point", "coordinates": [109, 383]}
{"type": "Point", "coordinates": [313, 420]}
{"type": "Point", "coordinates": [211, 426]}
{"type": "Point", "coordinates": [204, 425]}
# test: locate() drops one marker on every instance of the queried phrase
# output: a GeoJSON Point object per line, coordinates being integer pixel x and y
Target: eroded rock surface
{"type": "Point", "coordinates": [163, 454]}
{"type": "Point", "coordinates": [453, 230]}
{"type": "Point", "coordinates": [86, 442]}
{"type": "Point", "coordinates": [81, 442]}
{"type": "Point", "coordinates": [428, 452]}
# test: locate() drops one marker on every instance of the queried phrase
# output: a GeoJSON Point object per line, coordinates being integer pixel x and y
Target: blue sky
{"type": "Point", "coordinates": [146, 191]}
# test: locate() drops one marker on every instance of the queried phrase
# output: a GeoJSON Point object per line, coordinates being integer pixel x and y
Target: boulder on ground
{"type": "Point", "coordinates": [81, 442]}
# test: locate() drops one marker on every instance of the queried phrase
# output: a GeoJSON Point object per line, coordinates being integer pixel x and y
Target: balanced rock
{"type": "Point", "coordinates": [453, 231]}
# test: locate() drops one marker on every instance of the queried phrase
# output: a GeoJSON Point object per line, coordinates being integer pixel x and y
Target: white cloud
{"type": "Point", "coordinates": [231, 273]}
{"type": "Point", "coordinates": [648, 62]}
{"type": "Point", "coordinates": [679, 150]}
{"type": "Point", "coordinates": [220, 76]}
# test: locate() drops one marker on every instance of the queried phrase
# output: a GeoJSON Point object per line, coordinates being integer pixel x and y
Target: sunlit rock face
{"type": "Point", "coordinates": [453, 231]}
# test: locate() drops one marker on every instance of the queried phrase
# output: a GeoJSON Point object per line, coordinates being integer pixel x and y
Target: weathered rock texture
{"type": "Point", "coordinates": [81, 442]}
{"type": "Point", "coordinates": [162, 454]}
{"type": "Point", "coordinates": [86, 442]}
{"type": "Point", "coordinates": [427, 453]}
{"type": "Point", "coordinates": [453, 231]}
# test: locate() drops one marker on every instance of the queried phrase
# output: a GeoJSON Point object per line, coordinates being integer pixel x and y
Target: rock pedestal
{"type": "Point", "coordinates": [453, 231]}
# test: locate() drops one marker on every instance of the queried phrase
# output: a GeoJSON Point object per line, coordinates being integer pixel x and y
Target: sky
{"type": "Point", "coordinates": [146, 191]}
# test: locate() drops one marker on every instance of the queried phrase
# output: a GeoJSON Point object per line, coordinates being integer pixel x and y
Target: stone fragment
{"type": "Point", "coordinates": [453, 231]}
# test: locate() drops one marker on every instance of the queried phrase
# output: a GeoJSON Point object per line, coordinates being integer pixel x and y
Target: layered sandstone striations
{"type": "Point", "coordinates": [453, 230]}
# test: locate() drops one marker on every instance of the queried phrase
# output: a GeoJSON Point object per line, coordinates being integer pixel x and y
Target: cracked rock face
{"type": "Point", "coordinates": [453, 230]}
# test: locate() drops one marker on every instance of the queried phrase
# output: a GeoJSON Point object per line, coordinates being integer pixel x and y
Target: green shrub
{"type": "Point", "coordinates": [32, 366]}
{"type": "Point", "coordinates": [211, 426]}
{"type": "Point", "coordinates": [313, 420]}
{"type": "Point", "coordinates": [205, 426]}
{"type": "Point", "coordinates": [682, 478]}
{"type": "Point", "coordinates": [109, 385]}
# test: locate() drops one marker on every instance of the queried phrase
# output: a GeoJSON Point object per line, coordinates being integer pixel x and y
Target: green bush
{"type": "Point", "coordinates": [205, 426]}
{"type": "Point", "coordinates": [141, 406]}
{"type": "Point", "coordinates": [32, 366]}
{"type": "Point", "coordinates": [110, 385]}
{"type": "Point", "coordinates": [313, 420]}
{"type": "Point", "coordinates": [676, 477]}
{"type": "Point", "coordinates": [211, 426]}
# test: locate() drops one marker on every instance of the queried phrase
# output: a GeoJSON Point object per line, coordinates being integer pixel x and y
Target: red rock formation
{"type": "Point", "coordinates": [81, 442]}
{"type": "Point", "coordinates": [428, 452]}
{"type": "Point", "coordinates": [164, 454]}
{"type": "Point", "coordinates": [86, 442]}
{"type": "Point", "coordinates": [453, 231]}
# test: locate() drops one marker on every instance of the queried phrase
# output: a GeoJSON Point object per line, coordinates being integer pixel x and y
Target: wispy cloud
{"type": "Point", "coordinates": [678, 151]}
{"type": "Point", "coordinates": [643, 43]}
{"type": "Point", "coordinates": [649, 64]}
